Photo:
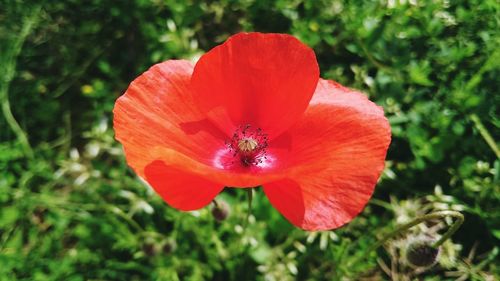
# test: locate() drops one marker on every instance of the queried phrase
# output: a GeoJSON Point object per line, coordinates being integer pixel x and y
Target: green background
{"type": "Point", "coordinates": [71, 209]}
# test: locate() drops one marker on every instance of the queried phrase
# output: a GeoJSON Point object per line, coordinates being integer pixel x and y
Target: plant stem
{"type": "Point", "coordinates": [485, 134]}
{"type": "Point", "coordinates": [215, 203]}
{"type": "Point", "coordinates": [381, 203]}
{"type": "Point", "coordinates": [249, 211]}
{"type": "Point", "coordinates": [459, 219]}
{"type": "Point", "coordinates": [9, 59]}
{"type": "Point", "coordinates": [432, 216]}
{"type": "Point", "coordinates": [456, 225]}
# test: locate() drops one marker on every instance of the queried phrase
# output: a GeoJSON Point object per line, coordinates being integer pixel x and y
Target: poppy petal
{"type": "Point", "coordinates": [335, 155]}
{"type": "Point", "coordinates": [157, 113]}
{"type": "Point", "coordinates": [180, 189]}
{"type": "Point", "coordinates": [265, 80]}
{"type": "Point", "coordinates": [157, 110]}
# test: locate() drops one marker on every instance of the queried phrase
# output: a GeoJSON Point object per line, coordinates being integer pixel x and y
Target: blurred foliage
{"type": "Point", "coordinates": [70, 208]}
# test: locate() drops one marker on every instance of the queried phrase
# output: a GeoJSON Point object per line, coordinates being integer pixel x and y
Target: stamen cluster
{"type": "Point", "coordinates": [248, 145]}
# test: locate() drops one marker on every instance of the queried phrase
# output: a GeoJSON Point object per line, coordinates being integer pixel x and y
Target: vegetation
{"type": "Point", "coordinates": [71, 209]}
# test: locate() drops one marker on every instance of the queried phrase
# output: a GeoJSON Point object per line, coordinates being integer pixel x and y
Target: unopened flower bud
{"type": "Point", "coordinates": [169, 246]}
{"type": "Point", "coordinates": [220, 211]}
{"type": "Point", "coordinates": [149, 249]}
{"type": "Point", "coordinates": [38, 216]}
{"type": "Point", "coordinates": [421, 253]}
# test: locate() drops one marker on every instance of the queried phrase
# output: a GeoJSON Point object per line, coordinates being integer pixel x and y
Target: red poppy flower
{"type": "Point", "coordinates": [254, 112]}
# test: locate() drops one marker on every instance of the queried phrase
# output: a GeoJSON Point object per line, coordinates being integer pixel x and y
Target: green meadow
{"type": "Point", "coordinates": [72, 209]}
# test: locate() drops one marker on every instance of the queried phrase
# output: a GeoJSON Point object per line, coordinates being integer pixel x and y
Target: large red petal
{"type": "Point", "coordinates": [157, 113]}
{"type": "Point", "coordinates": [180, 189]}
{"type": "Point", "coordinates": [157, 110]}
{"type": "Point", "coordinates": [335, 155]}
{"type": "Point", "coordinates": [265, 80]}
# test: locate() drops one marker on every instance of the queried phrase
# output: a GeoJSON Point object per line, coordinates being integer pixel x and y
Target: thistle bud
{"type": "Point", "coordinates": [421, 253]}
{"type": "Point", "coordinates": [220, 211]}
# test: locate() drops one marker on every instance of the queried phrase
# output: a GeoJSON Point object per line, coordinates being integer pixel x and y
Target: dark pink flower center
{"type": "Point", "coordinates": [248, 145]}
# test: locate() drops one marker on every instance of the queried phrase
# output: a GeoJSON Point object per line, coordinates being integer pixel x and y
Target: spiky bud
{"type": "Point", "coordinates": [421, 253]}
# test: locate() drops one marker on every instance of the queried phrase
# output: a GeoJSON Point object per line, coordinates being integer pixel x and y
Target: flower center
{"type": "Point", "coordinates": [248, 145]}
